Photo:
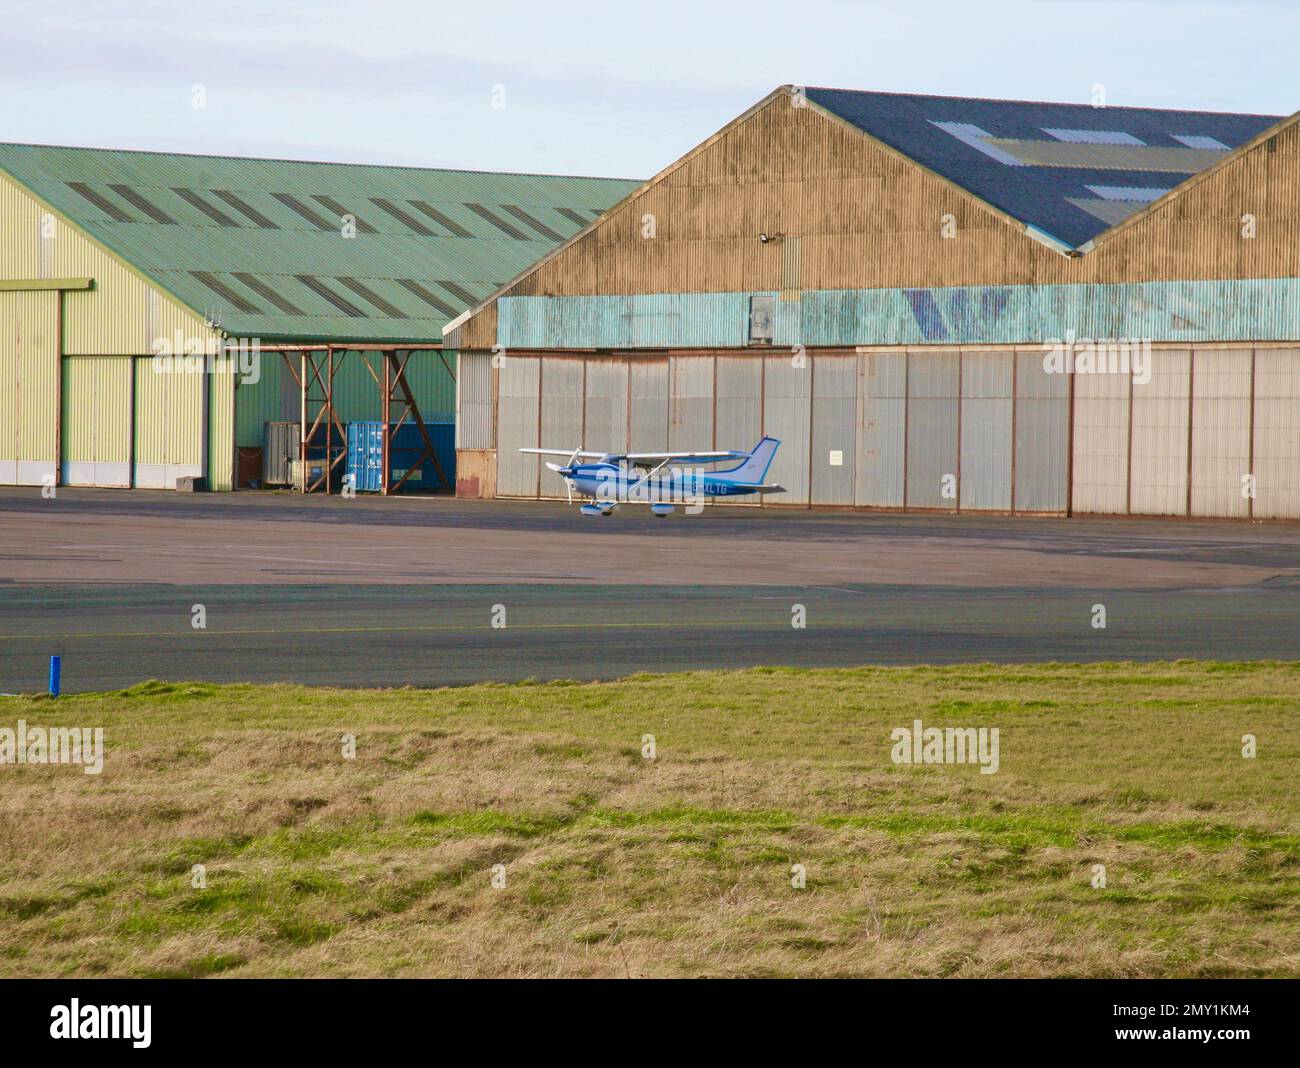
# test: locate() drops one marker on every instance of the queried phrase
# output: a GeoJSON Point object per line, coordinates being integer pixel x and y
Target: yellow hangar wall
{"type": "Point", "coordinates": [82, 398]}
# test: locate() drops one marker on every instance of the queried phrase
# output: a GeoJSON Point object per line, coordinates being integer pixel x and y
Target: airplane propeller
{"type": "Point", "coordinates": [566, 471]}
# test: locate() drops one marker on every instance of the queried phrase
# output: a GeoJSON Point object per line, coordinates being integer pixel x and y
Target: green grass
{"type": "Point", "coordinates": [384, 864]}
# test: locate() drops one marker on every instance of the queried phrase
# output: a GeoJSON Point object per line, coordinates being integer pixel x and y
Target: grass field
{"type": "Point", "coordinates": [318, 865]}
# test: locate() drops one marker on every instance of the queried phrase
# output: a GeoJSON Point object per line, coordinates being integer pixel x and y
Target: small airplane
{"type": "Point", "coordinates": [635, 477]}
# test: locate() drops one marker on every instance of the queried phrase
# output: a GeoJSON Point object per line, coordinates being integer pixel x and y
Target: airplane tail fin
{"type": "Point", "coordinates": [754, 469]}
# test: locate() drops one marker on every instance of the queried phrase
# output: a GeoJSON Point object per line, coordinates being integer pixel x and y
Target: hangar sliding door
{"type": "Point", "coordinates": [169, 422]}
{"type": "Point", "coordinates": [787, 404]}
{"type": "Point", "coordinates": [882, 424]}
{"type": "Point", "coordinates": [834, 429]}
{"type": "Point", "coordinates": [690, 416]}
{"type": "Point", "coordinates": [648, 404]}
{"type": "Point", "coordinates": [1277, 433]}
{"type": "Point", "coordinates": [1161, 436]}
{"type": "Point", "coordinates": [605, 400]}
{"type": "Point", "coordinates": [517, 402]}
{"type": "Point", "coordinates": [738, 412]}
{"type": "Point", "coordinates": [986, 389]}
{"type": "Point", "coordinates": [96, 421]}
{"type": "Point", "coordinates": [1220, 431]}
{"type": "Point", "coordinates": [1042, 445]}
{"type": "Point", "coordinates": [933, 391]}
{"type": "Point", "coordinates": [29, 397]}
{"type": "Point", "coordinates": [1101, 444]}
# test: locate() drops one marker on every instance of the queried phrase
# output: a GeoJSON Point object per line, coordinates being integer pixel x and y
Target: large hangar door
{"type": "Point", "coordinates": [933, 391]}
{"type": "Point", "coordinates": [517, 386]}
{"type": "Point", "coordinates": [985, 483]}
{"type": "Point", "coordinates": [1277, 433]}
{"type": "Point", "coordinates": [1161, 411]}
{"type": "Point", "coordinates": [882, 422]}
{"type": "Point", "coordinates": [1042, 464]}
{"type": "Point", "coordinates": [96, 421]}
{"type": "Point", "coordinates": [169, 421]}
{"type": "Point", "coordinates": [738, 412]}
{"type": "Point", "coordinates": [787, 400]}
{"type": "Point", "coordinates": [563, 415]}
{"type": "Point", "coordinates": [834, 429]}
{"type": "Point", "coordinates": [29, 398]}
{"type": "Point", "coordinates": [1101, 444]}
{"type": "Point", "coordinates": [1220, 431]}
{"type": "Point", "coordinates": [691, 415]}
{"type": "Point", "coordinates": [648, 406]}
{"type": "Point", "coordinates": [606, 405]}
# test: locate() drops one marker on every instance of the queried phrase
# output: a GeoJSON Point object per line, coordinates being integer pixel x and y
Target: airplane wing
{"type": "Point", "coordinates": [584, 453]}
{"type": "Point", "coordinates": [701, 457]}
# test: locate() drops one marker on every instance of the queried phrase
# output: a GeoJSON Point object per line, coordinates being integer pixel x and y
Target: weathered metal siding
{"type": "Point", "coordinates": [986, 382]}
{"type": "Point", "coordinates": [169, 410]}
{"type": "Point", "coordinates": [474, 401]}
{"type": "Point", "coordinates": [865, 219]}
{"type": "Point", "coordinates": [518, 381]}
{"type": "Point", "coordinates": [122, 316]}
{"type": "Point", "coordinates": [1277, 433]}
{"type": "Point", "coordinates": [1221, 416]}
{"type": "Point", "coordinates": [786, 412]}
{"type": "Point", "coordinates": [834, 429]}
{"type": "Point", "coordinates": [690, 423]}
{"type": "Point", "coordinates": [606, 413]}
{"type": "Point", "coordinates": [476, 473]}
{"type": "Point", "coordinates": [1042, 459]}
{"type": "Point", "coordinates": [1171, 311]}
{"type": "Point", "coordinates": [882, 429]}
{"type": "Point", "coordinates": [258, 403]}
{"type": "Point", "coordinates": [96, 421]}
{"type": "Point", "coordinates": [739, 411]}
{"type": "Point", "coordinates": [29, 388]}
{"type": "Point", "coordinates": [648, 407]}
{"type": "Point", "coordinates": [1158, 470]}
{"type": "Point", "coordinates": [562, 413]}
{"type": "Point", "coordinates": [933, 389]}
{"type": "Point", "coordinates": [1101, 444]}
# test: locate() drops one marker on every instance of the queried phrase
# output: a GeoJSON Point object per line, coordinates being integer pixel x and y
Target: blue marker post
{"type": "Point", "coordinates": [56, 669]}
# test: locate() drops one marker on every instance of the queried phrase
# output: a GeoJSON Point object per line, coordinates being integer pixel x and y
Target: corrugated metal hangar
{"type": "Point", "coordinates": [113, 264]}
{"type": "Point", "coordinates": [893, 285]}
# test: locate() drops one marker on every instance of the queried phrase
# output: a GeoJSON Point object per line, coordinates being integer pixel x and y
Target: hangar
{"type": "Point", "coordinates": [308, 295]}
{"type": "Point", "coordinates": [924, 297]}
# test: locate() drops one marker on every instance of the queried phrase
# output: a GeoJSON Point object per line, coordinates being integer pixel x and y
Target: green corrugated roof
{"type": "Point", "coordinates": [426, 239]}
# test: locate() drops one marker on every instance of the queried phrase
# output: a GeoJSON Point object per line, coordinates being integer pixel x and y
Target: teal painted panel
{"type": "Point", "coordinates": [1245, 310]}
{"type": "Point", "coordinates": [258, 403]}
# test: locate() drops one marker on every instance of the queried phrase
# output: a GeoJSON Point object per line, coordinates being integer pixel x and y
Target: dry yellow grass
{"type": "Point", "coordinates": [318, 865]}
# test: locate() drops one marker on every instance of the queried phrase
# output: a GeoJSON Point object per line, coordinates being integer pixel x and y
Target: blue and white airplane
{"type": "Point", "coordinates": [639, 477]}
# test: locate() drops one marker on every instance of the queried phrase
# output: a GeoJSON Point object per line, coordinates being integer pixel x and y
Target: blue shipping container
{"type": "Point", "coordinates": [366, 451]}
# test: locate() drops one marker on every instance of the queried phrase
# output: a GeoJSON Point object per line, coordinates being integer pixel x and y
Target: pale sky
{"type": "Point", "coordinates": [606, 88]}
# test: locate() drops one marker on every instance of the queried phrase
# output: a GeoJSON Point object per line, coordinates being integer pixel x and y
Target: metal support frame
{"type": "Point", "coordinates": [315, 378]}
{"type": "Point", "coordinates": [319, 420]}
